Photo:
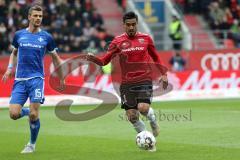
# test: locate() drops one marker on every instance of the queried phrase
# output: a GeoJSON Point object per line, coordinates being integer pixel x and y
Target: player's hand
{"type": "Point", "coordinates": [90, 56]}
{"type": "Point", "coordinates": [164, 80]}
{"type": "Point", "coordinates": [7, 75]}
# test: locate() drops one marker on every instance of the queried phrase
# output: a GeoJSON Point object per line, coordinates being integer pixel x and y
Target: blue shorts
{"type": "Point", "coordinates": [32, 88]}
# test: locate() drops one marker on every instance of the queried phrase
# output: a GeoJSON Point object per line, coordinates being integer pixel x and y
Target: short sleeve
{"type": "Point", "coordinates": [111, 53]}
{"type": "Point", "coordinates": [15, 40]}
{"type": "Point", "coordinates": [51, 46]}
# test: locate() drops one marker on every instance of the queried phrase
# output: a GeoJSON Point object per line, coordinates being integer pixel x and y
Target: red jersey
{"type": "Point", "coordinates": [135, 56]}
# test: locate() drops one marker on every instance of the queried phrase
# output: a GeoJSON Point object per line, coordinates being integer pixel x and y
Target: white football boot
{"type": "Point", "coordinates": [153, 149]}
{"type": "Point", "coordinates": [29, 148]}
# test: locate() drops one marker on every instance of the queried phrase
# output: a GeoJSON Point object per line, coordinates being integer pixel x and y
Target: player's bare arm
{"type": "Point", "coordinates": [94, 59]}
{"type": "Point", "coordinates": [153, 53]}
{"type": "Point", "coordinates": [11, 64]}
{"type": "Point", "coordinates": [104, 60]}
{"type": "Point", "coordinates": [57, 64]}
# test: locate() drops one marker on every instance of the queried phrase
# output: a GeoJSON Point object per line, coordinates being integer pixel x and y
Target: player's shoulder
{"type": "Point", "coordinates": [119, 37]}
{"type": "Point", "coordinates": [46, 33]}
{"type": "Point", "coordinates": [48, 36]}
{"type": "Point", "coordinates": [18, 32]}
{"type": "Point", "coordinates": [143, 35]}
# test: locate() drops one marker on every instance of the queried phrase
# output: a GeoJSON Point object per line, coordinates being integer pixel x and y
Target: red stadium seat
{"type": "Point", "coordinates": [228, 43]}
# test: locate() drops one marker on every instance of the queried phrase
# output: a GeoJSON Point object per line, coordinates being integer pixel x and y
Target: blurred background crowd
{"type": "Point", "coordinates": [222, 15]}
{"type": "Point", "coordinates": [74, 24]}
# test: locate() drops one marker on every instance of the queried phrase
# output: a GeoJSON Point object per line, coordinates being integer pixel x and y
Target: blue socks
{"type": "Point", "coordinates": [25, 112]}
{"type": "Point", "coordinates": [34, 129]}
{"type": "Point", "coordinates": [34, 125]}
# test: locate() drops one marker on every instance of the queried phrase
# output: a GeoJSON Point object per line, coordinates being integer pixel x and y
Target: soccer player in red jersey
{"type": "Point", "coordinates": [136, 51]}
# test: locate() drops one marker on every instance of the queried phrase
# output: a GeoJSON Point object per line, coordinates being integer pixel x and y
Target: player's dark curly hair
{"type": "Point", "coordinates": [129, 15]}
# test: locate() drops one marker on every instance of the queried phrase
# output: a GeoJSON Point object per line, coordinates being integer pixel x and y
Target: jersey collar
{"type": "Point", "coordinates": [39, 30]}
{"type": "Point", "coordinates": [133, 36]}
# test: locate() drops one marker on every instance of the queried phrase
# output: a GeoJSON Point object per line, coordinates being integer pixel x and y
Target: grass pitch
{"type": "Point", "coordinates": [190, 130]}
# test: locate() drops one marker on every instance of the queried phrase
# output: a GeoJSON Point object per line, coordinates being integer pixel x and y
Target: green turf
{"type": "Point", "coordinates": [211, 133]}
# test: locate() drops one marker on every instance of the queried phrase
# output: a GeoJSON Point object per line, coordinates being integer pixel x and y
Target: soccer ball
{"type": "Point", "coordinates": [145, 140]}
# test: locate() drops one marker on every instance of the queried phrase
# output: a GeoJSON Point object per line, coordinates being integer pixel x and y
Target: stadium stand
{"type": "Point", "coordinates": [222, 17]}
{"type": "Point", "coordinates": [200, 37]}
{"type": "Point", "coordinates": [75, 25]}
{"type": "Point", "coordinates": [112, 15]}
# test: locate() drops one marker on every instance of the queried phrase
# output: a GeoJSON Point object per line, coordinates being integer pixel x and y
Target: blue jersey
{"type": "Point", "coordinates": [31, 50]}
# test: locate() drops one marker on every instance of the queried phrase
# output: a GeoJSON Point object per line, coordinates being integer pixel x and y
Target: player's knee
{"type": "Point", "coordinates": [14, 115]}
{"type": "Point", "coordinates": [133, 117]}
{"type": "Point", "coordinates": [143, 108]}
{"type": "Point", "coordinates": [33, 116]}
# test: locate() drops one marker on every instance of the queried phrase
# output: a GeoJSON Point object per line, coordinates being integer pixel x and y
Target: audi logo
{"type": "Point", "coordinates": [221, 61]}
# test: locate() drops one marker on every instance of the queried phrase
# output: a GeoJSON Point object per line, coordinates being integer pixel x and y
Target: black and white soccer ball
{"type": "Point", "coordinates": [145, 140]}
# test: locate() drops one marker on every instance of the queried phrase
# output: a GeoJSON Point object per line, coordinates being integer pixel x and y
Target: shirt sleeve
{"type": "Point", "coordinates": [113, 49]}
{"type": "Point", "coordinates": [154, 54]}
{"type": "Point", "coordinates": [111, 52]}
{"type": "Point", "coordinates": [15, 40]}
{"type": "Point", "coordinates": [51, 45]}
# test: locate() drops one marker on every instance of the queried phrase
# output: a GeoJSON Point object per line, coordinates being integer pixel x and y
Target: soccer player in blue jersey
{"type": "Point", "coordinates": [29, 47]}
